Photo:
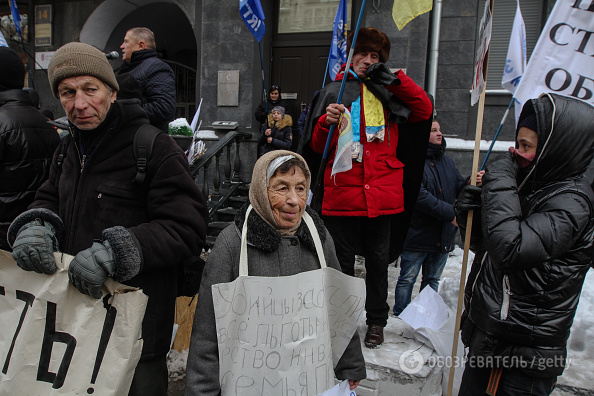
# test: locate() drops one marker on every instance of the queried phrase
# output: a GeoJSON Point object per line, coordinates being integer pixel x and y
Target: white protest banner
{"type": "Point", "coordinates": [56, 341]}
{"type": "Point", "coordinates": [478, 83]}
{"type": "Point", "coordinates": [563, 59]}
{"type": "Point", "coordinates": [282, 335]}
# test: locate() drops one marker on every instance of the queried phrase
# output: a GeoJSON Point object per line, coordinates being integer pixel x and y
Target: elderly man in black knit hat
{"type": "Point", "coordinates": [27, 143]}
{"type": "Point", "coordinates": [366, 205]}
{"type": "Point", "coordinates": [136, 233]}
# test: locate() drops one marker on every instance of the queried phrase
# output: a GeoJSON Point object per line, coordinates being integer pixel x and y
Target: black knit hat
{"type": "Point", "coordinates": [528, 117]}
{"type": "Point", "coordinates": [12, 70]}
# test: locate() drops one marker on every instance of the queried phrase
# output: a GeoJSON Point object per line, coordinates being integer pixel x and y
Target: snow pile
{"type": "Point", "coordinates": [206, 134]}
{"type": "Point", "coordinates": [176, 364]}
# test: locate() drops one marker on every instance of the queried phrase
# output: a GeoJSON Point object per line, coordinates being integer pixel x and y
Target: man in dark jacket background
{"type": "Point", "coordinates": [537, 233]}
{"type": "Point", "coordinates": [155, 76]}
{"type": "Point", "coordinates": [433, 225]}
{"type": "Point", "coordinates": [137, 233]}
{"type": "Point", "coordinates": [27, 143]}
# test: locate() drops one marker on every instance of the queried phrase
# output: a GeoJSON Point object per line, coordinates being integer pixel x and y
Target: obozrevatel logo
{"type": "Point", "coordinates": [411, 362]}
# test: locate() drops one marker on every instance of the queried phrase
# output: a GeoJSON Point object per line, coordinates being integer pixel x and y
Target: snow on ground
{"type": "Point", "coordinates": [580, 370]}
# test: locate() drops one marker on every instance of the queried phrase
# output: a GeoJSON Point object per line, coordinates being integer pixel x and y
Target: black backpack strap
{"type": "Point", "coordinates": [60, 160]}
{"type": "Point", "coordinates": [143, 148]}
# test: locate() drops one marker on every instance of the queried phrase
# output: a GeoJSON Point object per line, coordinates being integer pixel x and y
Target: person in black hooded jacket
{"type": "Point", "coordinates": [534, 251]}
{"type": "Point", "coordinates": [27, 143]}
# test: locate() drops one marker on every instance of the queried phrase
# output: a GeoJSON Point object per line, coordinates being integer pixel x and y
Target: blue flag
{"type": "Point", "coordinates": [253, 15]}
{"type": "Point", "coordinates": [16, 16]}
{"type": "Point", "coordinates": [338, 54]}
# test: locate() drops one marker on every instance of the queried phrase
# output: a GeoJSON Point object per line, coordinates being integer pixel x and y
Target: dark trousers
{"type": "Point", "coordinates": [513, 382]}
{"type": "Point", "coordinates": [372, 237]}
{"type": "Point", "coordinates": [150, 378]}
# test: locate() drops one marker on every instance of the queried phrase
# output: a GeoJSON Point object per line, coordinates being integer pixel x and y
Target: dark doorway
{"type": "Point", "coordinates": [299, 72]}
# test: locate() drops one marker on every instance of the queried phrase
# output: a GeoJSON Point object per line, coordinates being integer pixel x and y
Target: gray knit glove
{"type": "Point", "coordinates": [34, 247]}
{"type": "Point", "coordinates": [90, 268]}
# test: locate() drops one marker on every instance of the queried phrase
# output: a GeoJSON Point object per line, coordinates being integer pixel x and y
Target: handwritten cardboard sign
{"type": "Point", "coordinates": [286, 334]}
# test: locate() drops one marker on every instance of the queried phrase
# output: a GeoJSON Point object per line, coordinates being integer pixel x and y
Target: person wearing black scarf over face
{"type": "Point", "coordinates": [533, 242]}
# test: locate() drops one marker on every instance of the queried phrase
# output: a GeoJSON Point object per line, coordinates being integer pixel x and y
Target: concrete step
{"type": "Point", "coordinates": [226, 214]}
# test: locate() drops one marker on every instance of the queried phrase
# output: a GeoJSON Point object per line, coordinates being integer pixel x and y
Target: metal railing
{"type": "Point", "coordinates": [230, 172]}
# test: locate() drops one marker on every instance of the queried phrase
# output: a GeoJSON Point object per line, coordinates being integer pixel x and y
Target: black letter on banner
{"type": "Point", "coordinates": [578, 3]}
{"type": "Point", "coordinates": [28, 299]}
{"type": "Point", "coordinates": [579, 86]}
{"type": "Point", "coordinates": [553, 32]}
{"type": "Point", "coordinates": [104, 340]}
{"type": "Point", "coordinates": [549, 78]}
{"type": "Point", "coordinates": [49, 337]}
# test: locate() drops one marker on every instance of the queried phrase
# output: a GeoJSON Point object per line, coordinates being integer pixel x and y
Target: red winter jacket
{"type": "Point", "coordinates": [373, 187]}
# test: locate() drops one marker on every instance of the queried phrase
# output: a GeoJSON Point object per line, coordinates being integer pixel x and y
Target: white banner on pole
{"type": "Point", "coordinates": [478, 83]}
{"type": "Point", "coordinates": [563, 60]}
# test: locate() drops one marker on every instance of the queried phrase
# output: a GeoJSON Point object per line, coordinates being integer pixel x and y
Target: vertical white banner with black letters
{"type": "Point", "coordinates": [563, 60]}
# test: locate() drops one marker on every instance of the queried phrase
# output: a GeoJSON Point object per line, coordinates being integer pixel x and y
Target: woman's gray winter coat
{"type": "Point", "coordinates": [269, 254]}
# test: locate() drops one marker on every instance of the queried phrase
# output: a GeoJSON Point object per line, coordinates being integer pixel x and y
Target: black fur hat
{"type": "Point", "coordinates": [371, 39]}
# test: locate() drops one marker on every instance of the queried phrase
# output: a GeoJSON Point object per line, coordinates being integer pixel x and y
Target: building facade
{"type": "Point", "coordinates": [216, 58]}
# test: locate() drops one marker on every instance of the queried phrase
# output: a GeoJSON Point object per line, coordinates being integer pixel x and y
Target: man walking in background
{"type": "Point", "coordinates": [155, 76]}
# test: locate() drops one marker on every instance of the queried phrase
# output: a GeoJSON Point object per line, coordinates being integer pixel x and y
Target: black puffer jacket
{"type": "Point", "coordinates": [158, 86]}
{"type": "Point", "coordinates": [539, 240]}
{"type": "Point", "coordinates": [165, 216]}
{"type": "Point", "coordinates": [27, 144]}
{"type": "Point", "coordinates": [431, 228]}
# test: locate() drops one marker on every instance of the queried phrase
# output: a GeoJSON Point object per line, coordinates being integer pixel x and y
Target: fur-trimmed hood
{"type": "Point", "coordinates": [286, 121]}
{"type": "Point", "coordinates": [262, 236]}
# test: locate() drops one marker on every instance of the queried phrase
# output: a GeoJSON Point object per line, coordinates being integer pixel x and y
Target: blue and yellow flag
{"type": "Point", "coordinates": [343, 160]}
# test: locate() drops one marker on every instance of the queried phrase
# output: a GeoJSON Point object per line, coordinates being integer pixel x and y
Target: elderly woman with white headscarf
{"type": "Point", "coordinates": [279, 244]}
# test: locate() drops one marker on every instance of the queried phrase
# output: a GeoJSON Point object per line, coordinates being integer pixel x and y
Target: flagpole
{"type": "Point", "coordinates": [316, 203]}
{"type": "Point", "coordinates": [263, 83]}
{"type": "Point", "coordinates": [326, 71]}
{"type": "Point", "coordinates": [475, 159]}
{"type": "Point", "coordinates": [513, 99]}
